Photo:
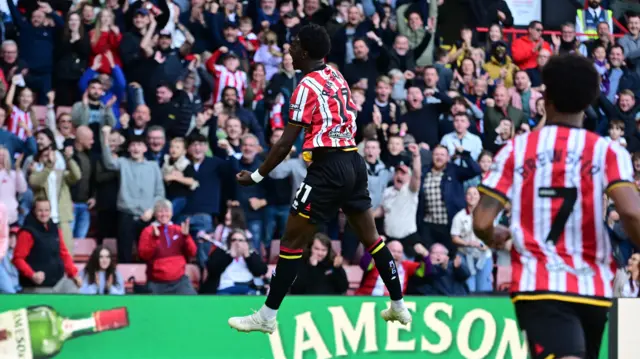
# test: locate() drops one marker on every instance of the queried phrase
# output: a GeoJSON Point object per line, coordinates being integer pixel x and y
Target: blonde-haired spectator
{"type": "Point", "coordinates": [13, 183]}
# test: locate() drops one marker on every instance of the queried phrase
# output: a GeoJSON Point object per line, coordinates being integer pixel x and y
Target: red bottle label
{"type": "Point", "coordinates": [111, 319]}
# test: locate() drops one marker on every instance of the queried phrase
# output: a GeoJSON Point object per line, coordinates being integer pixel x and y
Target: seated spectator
{"type": "Point", "coordinates": [476, 254]}
{"type": "Point", "coordinates": [178, 175]}
{"type": "Point", "coordinates": [54, 184]}
{"type": "Point", "coordinates": [166, 249]}
{"type": "Point", "coordinates": [484, 161]}
{"type": "Point", "coordinates": [12, 183]}
{"type": "Point", "coordinates": [567, 43]}
{"type": "Point", "coordinates": [100, 275]}
{"type": "Point", "coordinates": [372, 283]}
{"type": "Point", "coordinates": [627, 280]}
{"type": "Point", "coordinates": [321, 271]}
{"type": "Point", "coordinates": [140, 187]}
{"type": "Point", "coordinates": [9, 276]}
{"type": "Point", "coordinates": [41, 256]}
{"type": "Point", "coordinates": [443, 276]}
{"type": "Point", "coordinates": [232, 268]}
{"type": "Point", "coordinates": [400, 203]}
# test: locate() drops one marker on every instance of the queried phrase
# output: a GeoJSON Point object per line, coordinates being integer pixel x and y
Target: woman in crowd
{"type": "Point", "coordinates": [105, 37]}
{"type": "Point", "coordinates": [233, 219]}
{"type": "Point", "coordinates": [232, 268]}
{"type": "Point", "coordinates": [12, 183]}
{"type": "Point", "coordinates": [72, 54]}
{"type": "Point", "coordinates": [627, 280]}
{"type": "Point", "coordinates": [41, 256]}
{"type": "Point", "coordinates": [100, 275]}
{"type": "Point", "coordinates": [321, 271]}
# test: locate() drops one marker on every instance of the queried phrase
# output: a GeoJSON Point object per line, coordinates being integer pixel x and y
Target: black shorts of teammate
{"type": "Point", "coordinates": [337, 178]}
{"type": "Point", "coordinates": [556, 329]}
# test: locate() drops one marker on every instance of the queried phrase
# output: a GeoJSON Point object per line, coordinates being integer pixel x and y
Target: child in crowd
{"type": "Point", "coordinates": [616, 132]}
{"type": "Point", "coordinates": [247, 37]}
{"type": "Point", "coordinates": [602, 66]}
{"type": "Point", "coordinates": [178, 175]}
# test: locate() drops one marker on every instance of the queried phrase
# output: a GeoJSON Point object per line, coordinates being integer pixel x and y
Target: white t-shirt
{"type": "Point", "coordinates": [400, 208]}
{"type": "Point", "coordinates": [462, 226]}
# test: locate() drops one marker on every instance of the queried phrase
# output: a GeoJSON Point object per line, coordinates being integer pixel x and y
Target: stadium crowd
{"type": "Point", "coordinates": [126, 122]}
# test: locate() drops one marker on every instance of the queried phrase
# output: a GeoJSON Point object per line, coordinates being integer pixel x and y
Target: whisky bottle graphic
{"type": "Point", "coordinates": [40, 332]}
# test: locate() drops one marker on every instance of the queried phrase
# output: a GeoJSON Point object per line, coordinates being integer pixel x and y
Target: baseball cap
{"type": "Point", "coordinates": [229, 24]}
{"type": "Point", "coordinates": [291, 14]}
{"type": "Point", "coordinates": [231, 54]}
{"type": "Point", "coordinates": [142, 11]}
{"type": "Point", "coordinates": [165, 33]}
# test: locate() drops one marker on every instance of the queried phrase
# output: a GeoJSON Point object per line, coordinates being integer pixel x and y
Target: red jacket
{"type": "Point", "coordinates": [108, 41]}
{"type": "Point", "coordinates": [166, 255]}
{"type": "Point", "coordinates": [523, 55]}
{"type": "Point", "coordinates": [24, 244]}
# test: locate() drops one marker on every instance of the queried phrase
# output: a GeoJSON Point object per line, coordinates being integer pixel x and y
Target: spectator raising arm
{"type": "Point", "coordinates": [109, 162]}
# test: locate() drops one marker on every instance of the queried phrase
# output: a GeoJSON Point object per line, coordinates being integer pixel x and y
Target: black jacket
{"type": "Point", "coordinates": [219, 260]}
{"type": "Point", "coordinates": [322, 279]}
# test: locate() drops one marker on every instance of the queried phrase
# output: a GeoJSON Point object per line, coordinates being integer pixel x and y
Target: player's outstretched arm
{"type": "Point", "coordinates": [277, 154]}
{"type": "Point", "coordinates": [483, 217]}
{"type": "Point", "coordinates": [627, 202]}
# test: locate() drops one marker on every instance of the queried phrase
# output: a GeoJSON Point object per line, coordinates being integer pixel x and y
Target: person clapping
{"type": "Point", "coordinates": [321, 271]}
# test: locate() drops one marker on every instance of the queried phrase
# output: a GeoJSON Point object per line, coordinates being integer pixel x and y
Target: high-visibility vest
{"type": "Point", "coordinates": [590, 23]}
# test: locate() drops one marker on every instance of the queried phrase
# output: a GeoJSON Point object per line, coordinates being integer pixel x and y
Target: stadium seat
{"type": "Point", "coordinates": [193, 272]}
{"type": "Point", "coordinates": [137, 271]}
{"type": "Point", "coordinates": [354, 275]}
{"type": "Point", "coordinates": [80, 266]}
{"type": "Point", "coordinates": [503, 278]}
{"type": "Point", "coordinates": [337, 247]}
{"type": "Point", "coordinates": [275, 250]}
{"type": "Point", "coordinates": [111, 244]}
{"type": "Point", "coordinates": [41, 114]}
{"type": "Point", "coordinates": [63, 109]}
{"type": "Point", "coordinates": [82, 249]}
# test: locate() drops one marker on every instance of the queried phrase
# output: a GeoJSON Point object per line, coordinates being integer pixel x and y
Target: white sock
{"type": "Point", "coordinates": [397, 304]}
{"type": "Point", "coordinates": [268, 313]}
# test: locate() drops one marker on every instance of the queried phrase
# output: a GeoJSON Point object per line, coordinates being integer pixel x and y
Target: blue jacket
{"type": "Point", "coordinates": [440, 281]}
{"type": "Point", "coordinates": [36, 43]}
{"type": "Point", "coordinates": [451, 187]}
{"type": "Point", "coordinates": [117, 88]}
{"type": "Point", "coordinates": [206, 198]}
{"type": "Point", "coordinates": [14, 144]}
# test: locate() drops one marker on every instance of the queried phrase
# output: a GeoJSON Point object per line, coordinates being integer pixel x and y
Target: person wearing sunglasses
{"type": "Point", "coordinates": [525, 49]}
{"type": "Point", "coordinates": [232, 268]}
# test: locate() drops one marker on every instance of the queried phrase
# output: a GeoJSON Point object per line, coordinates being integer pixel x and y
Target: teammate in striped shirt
{"type": "Point", "coordinates": [555, 179]}
{"type": "Point", "coordinates": [337, 178]}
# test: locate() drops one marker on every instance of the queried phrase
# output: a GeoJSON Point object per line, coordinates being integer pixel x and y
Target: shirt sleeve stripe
{"type": "Point", "coordinates": [494, 193]}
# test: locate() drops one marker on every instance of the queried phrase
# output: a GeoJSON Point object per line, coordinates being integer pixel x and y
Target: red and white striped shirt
{"type": "Point", "coordinates": [322, 104]}
{"type": "Point", "coordinates": [13, 122]}
{"type": "Point", "coordinates": [555, 179]}
{"type": "Point", "coordinates": [223, 78]}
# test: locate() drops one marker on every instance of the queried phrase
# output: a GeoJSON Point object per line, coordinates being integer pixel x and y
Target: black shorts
{"type": "Point", "coordinates": [336, 179]}
{"type": "Point", "coordinates": [555, 328]}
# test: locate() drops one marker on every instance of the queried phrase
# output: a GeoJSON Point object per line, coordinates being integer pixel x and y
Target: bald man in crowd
{"type": "Point", "coordinates": [82, 193]}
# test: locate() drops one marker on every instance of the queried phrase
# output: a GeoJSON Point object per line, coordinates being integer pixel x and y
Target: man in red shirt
{"type": "Point", "coordinates": [166, 247]}
{"type": "Point", "coordinates": [337, 178]}
{"type": "Point", "coordinates": [555, 178]}
{"type": "Point", "coordinates": [41, 257]}
{"type": "Point", "coordinates": [525, 49]}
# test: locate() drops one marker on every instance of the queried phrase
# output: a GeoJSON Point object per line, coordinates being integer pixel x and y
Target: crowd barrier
{"type": "Point", "coordinates": [308, 327]}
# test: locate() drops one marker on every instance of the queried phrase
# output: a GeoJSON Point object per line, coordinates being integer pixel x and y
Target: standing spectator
{"type": "Point", "coordinates": [141, 117]}
{"type": "Point", "coordinates": [172, 111]}
{"type": "Point", "coordinates": [226, 75]}
{"type": "Point", "coordinates": [53, 184]}
{"type": "Point", "coordinates": [232, 268]}
{"type": "Point", "coordinates": [140, 187]}
{"type": "Point", "coordinates": [137, 61]}
{"type": "Point", "coordinates": [107, 184]}
{"type": "Point", "coordinates": [269, 54]}
{"type": "Point", "coordinates": [157, 143]}
{"type": "Point", "coordinates": [587, 20]}
{"type": "Point", "coordinates": [100, 276]}
{"type": "Point", "coordinates": [41, 255]}
{"type": "Point", "coordinates": [354, 28]}
{"type": "Point", "coordinates": [82, 192]}
{"type": "Point", "coordinates": [36, 46]}
{"type": "Point", "coordinates": [476, 254]}
{"type": "Point", "coordinates": [112, 85]}
{"type": "Point", "coordinates": [461, 140]}
{"type": "Point", "coordinates": [567, 43]}
{"type": "Point", "coordinates": [105, 37]}
{"type": "Point", "coordinates": [321, 272]}
{"type": "Point", "coordinates": [400, 203]}
{"type": "Point", "coordinates": [203, 203]}
{"type": "Point", "coordinates": [91, 111]}
{"type": "Point", "coordinates": [22, 118]}
{"type": "Point", "coordinates": [523, 97]}
{"type": "Point", "coordinates": [378, 177]}
{"type": "Point", "coordinates": [631, 42]}
{"type": "Point", "coordinates": [287, 28]}
{"type": "Point", "coordinates": [72, 54]}
{"type": "Point", "coordinates": [497, 109]}
{"type": "Point", "coordinates": [252, 199]}
{"type": "Point", "coordinates": [166, 248]}
{"type": "Point", "coordinates": [423, 119]}
{"type": "Point", "coordinates": [525, 49]}
{"type": "Point", "coordinates": [442, 195]}
{"type": "Point", "coordinates": [489, 12]}
{"type": "Point", "coordinates": [12, 183]}
{"type": "Point", "coordinates": [178, 175]}
{"type": "Point", "coordinates": [60, 125]}
{"type": "Point", "coordinates": [11, 63]}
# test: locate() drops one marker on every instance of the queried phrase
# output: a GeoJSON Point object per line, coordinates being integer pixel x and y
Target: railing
{"type": "Point", "coordinates": [514, 33]}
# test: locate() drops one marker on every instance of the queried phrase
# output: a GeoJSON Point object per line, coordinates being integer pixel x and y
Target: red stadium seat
{"type": "Point", "coordinates": [503, 278]}
{"type": "Point", "coordinates": [111, 244]}
{"type": "Point", "coordinates": [41, 114]}
{"type": "Point", "coordinates": [82, 249]}
{"type": "Point", "coordinates": [193, 272]}
{"type": "Point", "coordinates": [62, 109]}
{"type": "Point", "coordinates": [337, 247]}
{"type": "Point", "coordinates": [137, 271]}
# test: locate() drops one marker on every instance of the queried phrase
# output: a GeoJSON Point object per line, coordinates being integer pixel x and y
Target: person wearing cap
{"type": "Point", "coordinates": [229, 39]}
{"type": "Point", "coordinates": [141, 185]}
{"type": "Point", "coordinates": [500, 66]}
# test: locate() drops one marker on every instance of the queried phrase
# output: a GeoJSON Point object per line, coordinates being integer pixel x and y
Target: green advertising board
{"type": "Point", "coordinates": [157, 327]}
